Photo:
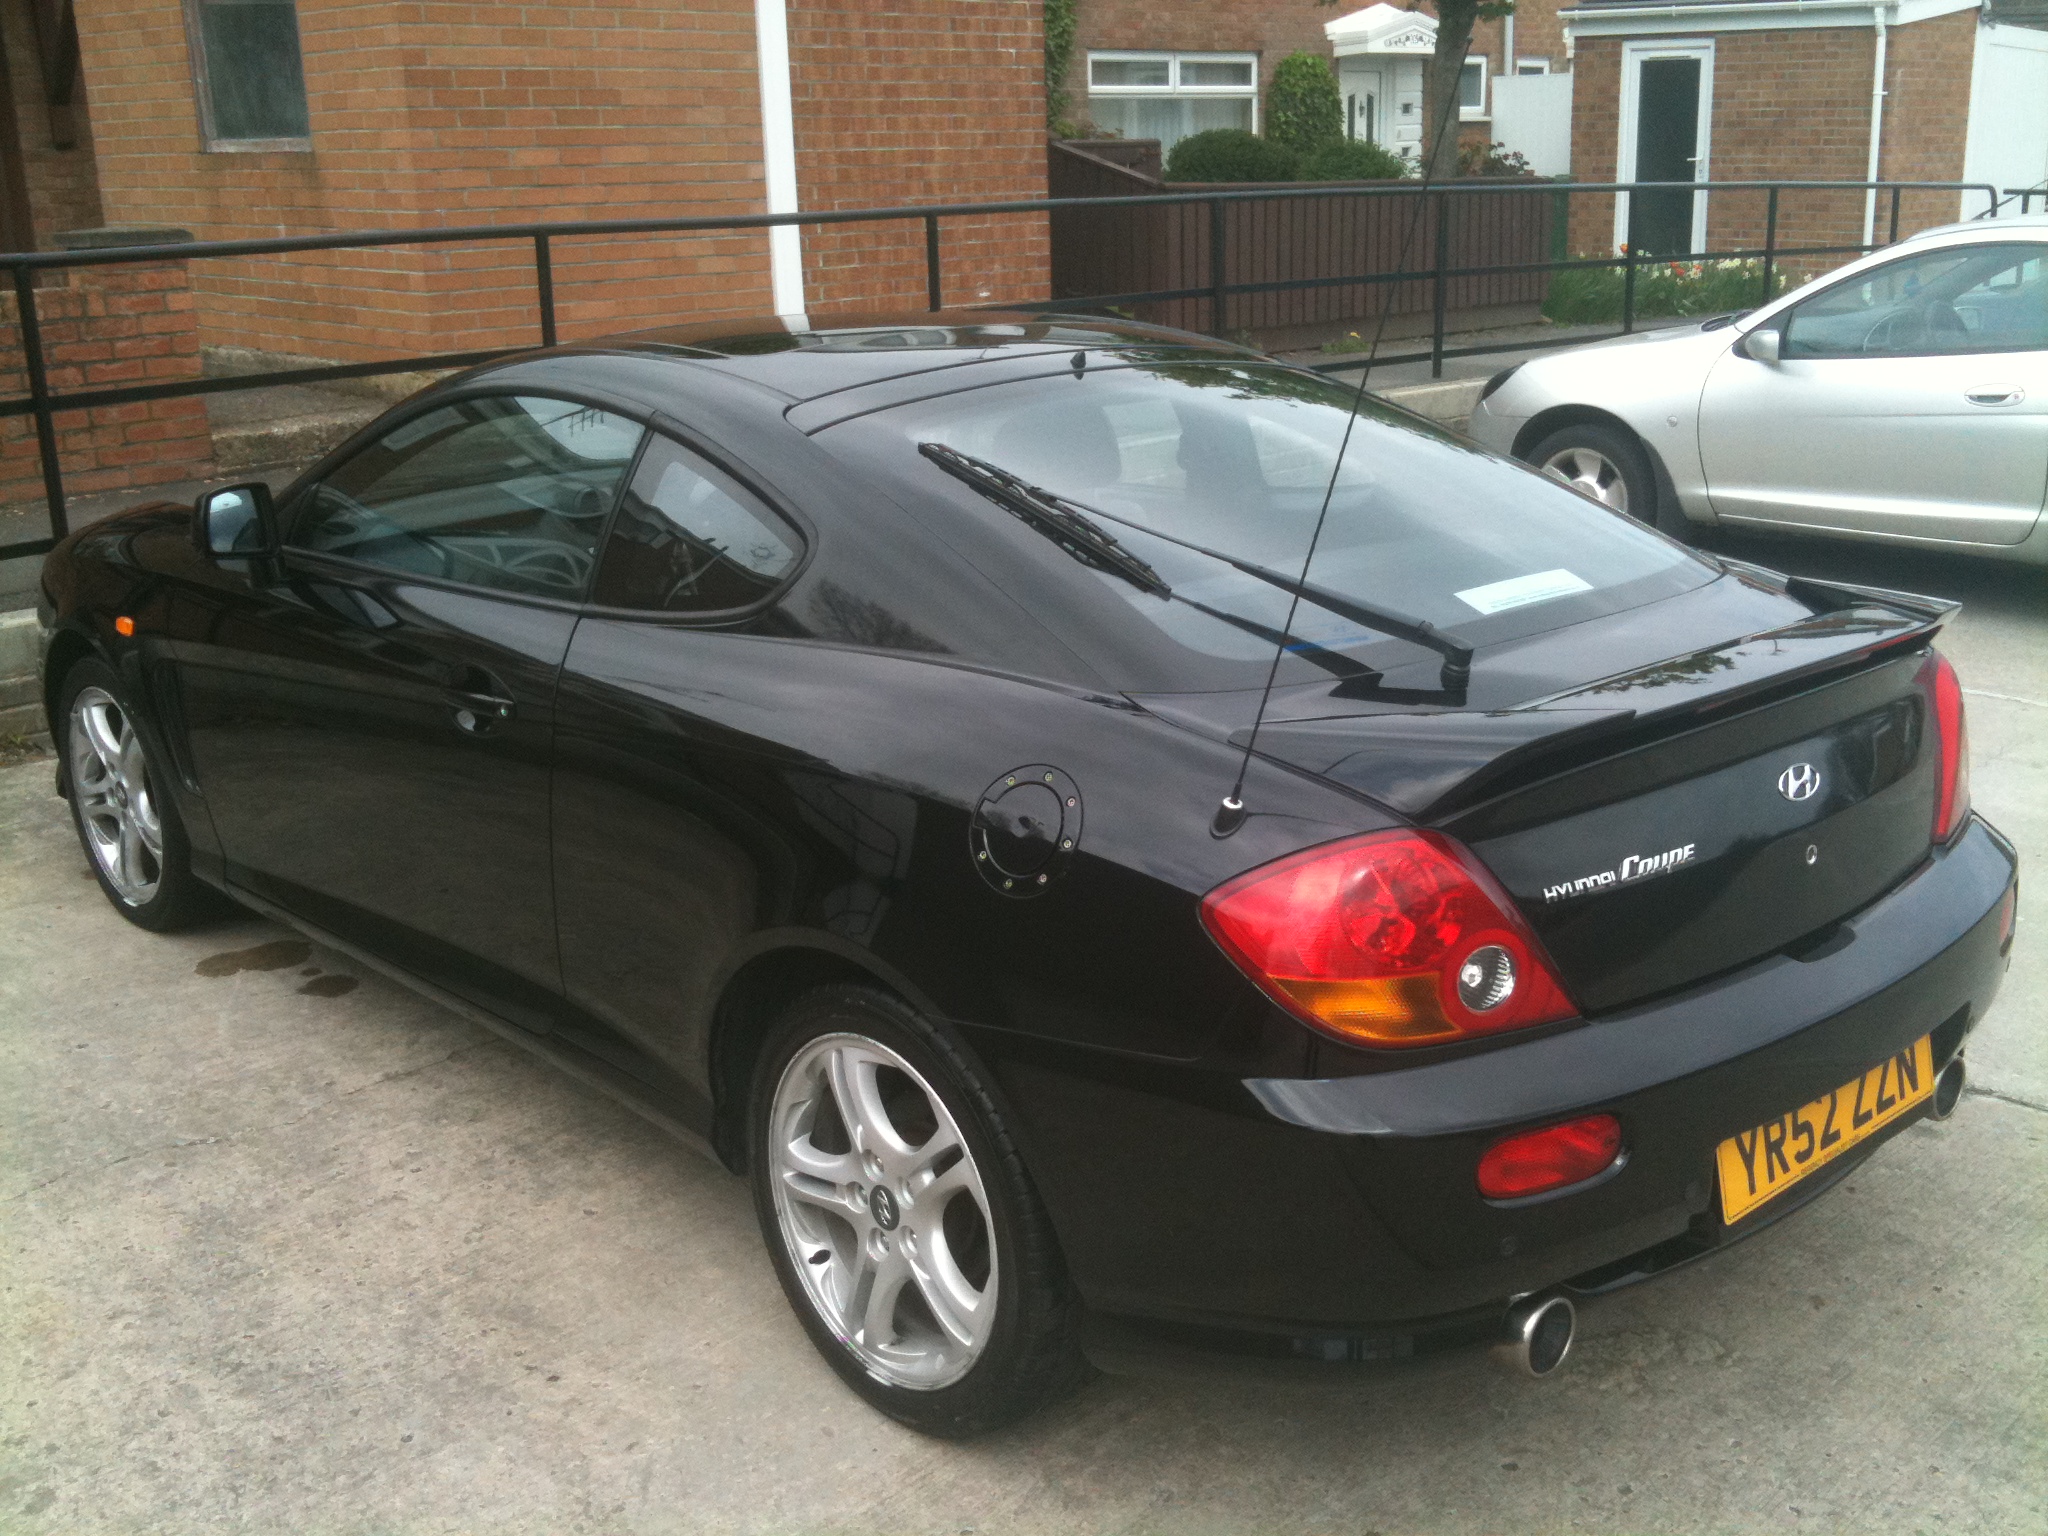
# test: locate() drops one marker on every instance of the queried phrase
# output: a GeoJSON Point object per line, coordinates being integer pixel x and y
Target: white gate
{"type": "Point", "coordinates": [2008, 135]}
{"type": "Point", "coordinates": [1532, 114]}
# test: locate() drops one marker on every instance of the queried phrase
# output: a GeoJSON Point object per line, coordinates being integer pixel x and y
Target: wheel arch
{"type": "Point", "coordinates": [1558, 417]}
{"type": "Point", "coordinates": [1669, 513]}
{"type": "Point", "coordinates": [754, 995]}
{"type": "Point", "coordinates": [68, 647]}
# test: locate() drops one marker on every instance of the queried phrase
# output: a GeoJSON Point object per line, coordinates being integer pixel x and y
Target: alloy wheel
{"type": "Point", "coordinates": [883, 1211]}
{"type": "Point", "coordinates": [1590, 471]}
{"type": "Point", "coordinates": [111, 789]}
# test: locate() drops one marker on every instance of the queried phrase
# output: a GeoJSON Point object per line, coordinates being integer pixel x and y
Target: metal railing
{"type": "Point", "coordinates": [44, 404]}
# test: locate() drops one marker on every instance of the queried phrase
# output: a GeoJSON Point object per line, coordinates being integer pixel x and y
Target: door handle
{"type": "Point", "coordinates": [477, 713]}
{"type": "Point", "coordinates": [1995, 394]}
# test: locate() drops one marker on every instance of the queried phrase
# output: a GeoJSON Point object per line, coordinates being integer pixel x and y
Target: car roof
{"type": "Point", "coordinates": [802, 359]}
{"type": "Point", "coordinates": [2025, 226]}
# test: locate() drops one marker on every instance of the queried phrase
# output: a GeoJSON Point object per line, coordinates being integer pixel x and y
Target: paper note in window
{"type": "Point", "coordinates": [1520, 591]}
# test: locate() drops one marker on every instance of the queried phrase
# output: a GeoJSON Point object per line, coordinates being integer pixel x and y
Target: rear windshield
{"type": "Point", "coordinates": [1237, 457]}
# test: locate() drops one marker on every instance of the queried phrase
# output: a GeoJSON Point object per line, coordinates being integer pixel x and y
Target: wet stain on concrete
{"type": "Point", "coordinates": [278, 955]}
{"type": "Point", "coordinates": [330, 986]}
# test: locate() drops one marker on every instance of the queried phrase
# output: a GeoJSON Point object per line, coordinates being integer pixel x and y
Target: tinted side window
{"type": "Point", "coordinates": [506, 491]}
{"type": "Point", "coordinates": [690, 539]}
{"type": "Point", "coordinates": [1977, 298]}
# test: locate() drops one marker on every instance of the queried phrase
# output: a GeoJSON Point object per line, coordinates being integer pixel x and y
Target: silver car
{"type": "Point", "coordinates": [1903, 398]}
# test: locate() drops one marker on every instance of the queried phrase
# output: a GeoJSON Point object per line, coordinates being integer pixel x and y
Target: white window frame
{"type": "Point", "coordinates": [1634, 54]}
{"type": "Point", "coordinates": [1532, 66]}
{"type": "Point", "coordinates": [1173, 89]}
{"type": "Point", "coordinates": [1481, 113]}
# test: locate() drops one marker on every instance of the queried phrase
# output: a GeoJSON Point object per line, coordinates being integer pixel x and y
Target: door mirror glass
{"type": "Point", "coordinates": [235, 520]}
{"type": "Point", "coordinates": [1763, 344]}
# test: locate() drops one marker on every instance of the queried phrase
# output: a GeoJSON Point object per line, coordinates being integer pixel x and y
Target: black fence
{"type": "Point", "coordinates": [1220, 287]}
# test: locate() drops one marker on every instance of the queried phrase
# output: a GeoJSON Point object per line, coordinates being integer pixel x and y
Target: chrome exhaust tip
{"type": "Point", "coordinates": [1948, 1090]}
{"type": "Point", "coordinates": [1539, 1335]}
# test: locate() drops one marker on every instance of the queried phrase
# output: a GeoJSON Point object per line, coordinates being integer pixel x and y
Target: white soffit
{"type": "Point", "coordinates": [1749, 16]}
{"type": "Point", "coordinates": [1381, 29]}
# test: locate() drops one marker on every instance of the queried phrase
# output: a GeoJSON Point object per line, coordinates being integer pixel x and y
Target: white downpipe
{"type": "Point", "coordinates": [778, 154]}
{"type": "Point", "coordinates": [1876, 128]}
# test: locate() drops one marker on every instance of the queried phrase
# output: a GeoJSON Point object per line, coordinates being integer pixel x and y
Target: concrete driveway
{"type": "Point", "coordinates": [287, 1249]}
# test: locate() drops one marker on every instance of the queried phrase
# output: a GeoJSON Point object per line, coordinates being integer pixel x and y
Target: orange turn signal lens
{"type": "Point", "coordinates": [1556, 1157]}
{"type": "Point", "coordinates": [124, 626]}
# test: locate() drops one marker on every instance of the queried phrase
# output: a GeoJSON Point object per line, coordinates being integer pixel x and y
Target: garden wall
{"type": "Point", "coordinates": [104, 326]}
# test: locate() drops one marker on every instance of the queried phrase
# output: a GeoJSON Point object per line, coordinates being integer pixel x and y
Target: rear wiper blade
{"type": "Point", "coordinates": [1070, 528]}
{"type": "Point", "coordinates": [1065, 526]}
{"type": "Point", "coordinates": [1457, 655]}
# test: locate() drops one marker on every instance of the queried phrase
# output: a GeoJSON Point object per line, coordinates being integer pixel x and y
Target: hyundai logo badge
{"type": "Point", "coordinates": [1799, 782]}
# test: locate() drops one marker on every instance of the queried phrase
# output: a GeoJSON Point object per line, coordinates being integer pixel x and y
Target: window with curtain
{"type": "Point", "coordinates": [1167, 96]}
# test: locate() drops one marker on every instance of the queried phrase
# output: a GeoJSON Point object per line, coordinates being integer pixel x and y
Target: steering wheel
{"type": "Point", "coordinates": [1912, 324]}
{"type": "Point", "coordinates": [538, 562]}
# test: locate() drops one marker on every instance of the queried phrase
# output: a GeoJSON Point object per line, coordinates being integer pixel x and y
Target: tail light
{"type": "Point", "coordinates": [1391, 939]}
{"type": "Point", "coordinates": [1952, 801]}
{"type": "Point", "coordinates": [1536, 1162]}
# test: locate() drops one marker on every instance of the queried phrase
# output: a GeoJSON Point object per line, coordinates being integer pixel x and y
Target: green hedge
{"type": "Point", "coordinates": [1230, 154]}
{"type": "Point", "coordinates": [1350, 160]}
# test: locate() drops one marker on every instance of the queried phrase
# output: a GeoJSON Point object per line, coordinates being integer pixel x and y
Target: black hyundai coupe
{"type": "Point", "coordinates": [918, 761]}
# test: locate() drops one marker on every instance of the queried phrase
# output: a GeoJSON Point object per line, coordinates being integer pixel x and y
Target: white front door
{"type": "Point", "coordinates": [1667, 110]}
{"type": "Point", "coordinates": [1365, 102]}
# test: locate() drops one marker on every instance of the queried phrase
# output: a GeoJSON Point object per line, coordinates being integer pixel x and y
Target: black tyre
{"type": "Point", "coordinates": [901, 1221]}
{"type": "Point", "coordinates": [1611, 465]}
{"type": "Point", "coordinates": [125, 817]}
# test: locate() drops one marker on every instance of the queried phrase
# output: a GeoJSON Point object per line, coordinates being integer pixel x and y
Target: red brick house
{"type": "Point", "coordinates": [249, 118]}
{"type": "Point", "coordinates": [1161, 72]}
{"type": "Point", "coordinates": [1768, 90]}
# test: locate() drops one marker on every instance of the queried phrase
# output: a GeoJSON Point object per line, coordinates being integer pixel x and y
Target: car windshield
{"type": "Point", "coordinates": [1236, 457]}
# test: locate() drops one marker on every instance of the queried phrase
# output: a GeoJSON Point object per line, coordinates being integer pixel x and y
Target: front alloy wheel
{"type": "Point", "coordinates": [1591, 473]}
{"type": "Point", "coordinates": [127, 821]}
{"type": "Point", "coordinates": [117, 811]}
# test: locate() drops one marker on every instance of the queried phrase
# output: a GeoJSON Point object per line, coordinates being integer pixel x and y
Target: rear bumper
{"type": "Point", "coordinates": [1338, 1219]}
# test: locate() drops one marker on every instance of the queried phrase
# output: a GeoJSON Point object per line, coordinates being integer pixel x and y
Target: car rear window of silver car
{"type": "Point", "coordinates": [1237, 456]}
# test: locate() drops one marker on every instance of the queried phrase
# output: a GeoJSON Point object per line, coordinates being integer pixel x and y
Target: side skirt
{"type": "Point", "coordinates": [577, 1063]}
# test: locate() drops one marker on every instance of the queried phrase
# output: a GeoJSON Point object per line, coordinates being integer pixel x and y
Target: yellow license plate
{"type": "Point", "coordinates": [1762, 1164]}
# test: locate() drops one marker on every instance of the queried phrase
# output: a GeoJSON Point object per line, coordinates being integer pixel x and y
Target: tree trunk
{"type": "Point", "coordinates": [1440, 77]}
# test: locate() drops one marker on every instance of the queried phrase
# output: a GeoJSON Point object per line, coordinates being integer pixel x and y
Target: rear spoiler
{"type": "Point", "coordinates": [1428, 766]}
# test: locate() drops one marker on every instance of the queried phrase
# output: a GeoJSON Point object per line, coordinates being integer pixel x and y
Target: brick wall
{"type": "Point", "coordinates": [107, 326]}
{"type": "Point", "coordinates": [438, 113]}
{"type": "Point", "coordinates": [914, 101]}
{"type": "Point", "coordinates": [1926, 113]}
{"type": "Point", "coordinates": [1795, 105]}
{"type": "Point", "coordinates": [441, 112]}
{"type": "Point", "coordinates": [63, 185]}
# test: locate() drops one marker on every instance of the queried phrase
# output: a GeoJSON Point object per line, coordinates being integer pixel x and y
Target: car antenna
{"type": "Point", "coordinates": [1231, 813]}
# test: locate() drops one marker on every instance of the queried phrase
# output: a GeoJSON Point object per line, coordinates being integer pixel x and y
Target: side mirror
{"type": "Point", "coordinates": [1763, 344]}
{"type": "Point", "coordinates": [235, 520]}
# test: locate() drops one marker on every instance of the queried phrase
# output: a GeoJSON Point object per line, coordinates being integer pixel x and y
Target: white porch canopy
{"type": "Point", "coordinates": [1382, 29]}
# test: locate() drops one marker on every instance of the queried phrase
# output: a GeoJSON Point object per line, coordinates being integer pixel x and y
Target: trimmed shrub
{"type": "Point", "coordinates": [1477, 159]}
{"type": "Point", "coordinates": [1303, 108]}
{"type": "Point", "coordinates": [1229, 154]}
{"type": "Point", "coordinates": [1351, 160]}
